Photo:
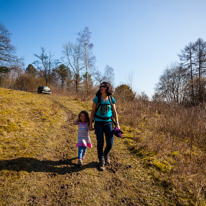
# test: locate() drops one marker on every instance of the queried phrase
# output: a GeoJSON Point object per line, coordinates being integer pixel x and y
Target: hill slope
{"type": "Point", "coordinates": [38, 159]}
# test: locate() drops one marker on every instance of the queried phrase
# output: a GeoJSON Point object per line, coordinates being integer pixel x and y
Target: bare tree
{"type": "Point", "coordinates": [171, 84]}
{"type": "Point", "coordinates": [48, 63]}
{"type": "Point", "coordinates": [99, 77]}
{"type": "Point", "coordinates": [157, 97]}
{"type": "Point", "coordinates": [200, 62]}
{"type": "Point", "coordinates": [6, 49]}
{"type": "Point", "coordinates": [15, 69]}
{"type": "Point", "coordinates": [130, 79]}
{"type": "Point", "coordinates": [8, 59]}
{"type": "Point", "coordinates": [73, 54]}
{"type": "Point", "coordinates": [187, 63]}
{"type": "Point", "coordinates": [109, 75]}
{"type": "Point", "coordinates": [200, 56]}
{"type": "Point", "coordinates": [86, 51]}
{"type": "Point", "coordinates": [143, 96]}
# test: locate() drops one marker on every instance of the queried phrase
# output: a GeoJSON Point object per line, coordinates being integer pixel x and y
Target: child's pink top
{"type": "Point", "coordinates": [83, 136]}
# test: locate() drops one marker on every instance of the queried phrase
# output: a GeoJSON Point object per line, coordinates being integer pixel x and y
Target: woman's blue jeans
{"type": "Point", "coordinates": [102, 128]}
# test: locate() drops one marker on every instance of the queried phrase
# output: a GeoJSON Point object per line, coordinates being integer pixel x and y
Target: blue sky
{"type": "Point", "coordinates": [139, 37]}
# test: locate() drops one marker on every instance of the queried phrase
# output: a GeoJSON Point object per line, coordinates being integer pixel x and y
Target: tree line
{"type": "Point", "coordinates": [75, 72]}
{"type": "Point", "coordinates": [184, 82]}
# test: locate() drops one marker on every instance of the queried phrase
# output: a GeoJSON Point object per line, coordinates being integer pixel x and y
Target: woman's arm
{"type": "Point", "coordinates": [115, 115]}
{"type": "Point", "coordinates": [92, 115]}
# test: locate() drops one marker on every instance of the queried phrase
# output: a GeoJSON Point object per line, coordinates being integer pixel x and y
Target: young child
{"type": "Point", "coordinates": [83, 135]}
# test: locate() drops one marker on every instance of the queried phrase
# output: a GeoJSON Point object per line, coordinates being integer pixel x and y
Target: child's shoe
{"type": "Point", "coordinates": [79, 162]}
{"type": "Point", "coordinates": [83, 156]}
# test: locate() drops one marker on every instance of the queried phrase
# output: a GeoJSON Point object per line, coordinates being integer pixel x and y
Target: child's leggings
{"type": "Point", "coordinates": [81, 150]}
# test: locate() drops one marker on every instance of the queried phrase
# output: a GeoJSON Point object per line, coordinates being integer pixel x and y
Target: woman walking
{"type": "Point", "coordinates": [102, 110]}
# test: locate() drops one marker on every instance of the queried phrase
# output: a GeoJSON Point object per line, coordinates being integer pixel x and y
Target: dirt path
{"type": "Point", "coordinates": [124, 182]}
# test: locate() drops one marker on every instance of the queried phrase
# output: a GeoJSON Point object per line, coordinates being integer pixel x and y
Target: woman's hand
{"type": "Point", "coordinates": [90, 128]}
{"type": "Point", "coordinates": [118, 126]}
{"type": "Point", "coordinates": [92, 116]}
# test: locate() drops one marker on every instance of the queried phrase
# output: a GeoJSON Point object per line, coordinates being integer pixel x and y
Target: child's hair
{"type": "Point", "coordinates": [86, 115]}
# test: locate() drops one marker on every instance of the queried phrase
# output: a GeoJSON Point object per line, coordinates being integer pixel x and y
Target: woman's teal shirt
{"type": "Point", "coordinates": [105, 110]}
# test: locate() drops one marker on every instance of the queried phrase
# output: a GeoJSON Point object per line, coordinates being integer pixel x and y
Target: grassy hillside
{"type": "Point", "coordinates": [38, 159]}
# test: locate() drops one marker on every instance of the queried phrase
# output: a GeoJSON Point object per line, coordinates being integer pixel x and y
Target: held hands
{"type": "Point", "coordinates": [90, 128]}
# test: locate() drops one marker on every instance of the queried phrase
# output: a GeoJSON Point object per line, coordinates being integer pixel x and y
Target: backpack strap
{"type": "Point", "coordinates": [110, 100]}
{"type": "Point", "coordinates": [99, 103]}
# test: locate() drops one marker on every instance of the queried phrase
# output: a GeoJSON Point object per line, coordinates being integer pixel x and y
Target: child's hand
{"type": "Point", "coordinates": [76, 122]}
{"type": "Point", "coordinates": [90, 128]}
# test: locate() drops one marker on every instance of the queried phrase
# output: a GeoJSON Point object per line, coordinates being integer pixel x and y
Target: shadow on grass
{"type": "Point", "coordinates": [34, 165]}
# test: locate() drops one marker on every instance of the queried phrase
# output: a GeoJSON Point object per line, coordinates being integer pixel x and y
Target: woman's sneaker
{"type": "Point", "coordinates": [101, 165]}
{"type": "Point", "coordinates": [107, 160]}
{"type": "Point", "coordinates": [79, 162]}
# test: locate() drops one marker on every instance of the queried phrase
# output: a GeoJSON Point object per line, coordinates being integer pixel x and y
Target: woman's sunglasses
{"type": "Point", "coordinates": [103, 86]}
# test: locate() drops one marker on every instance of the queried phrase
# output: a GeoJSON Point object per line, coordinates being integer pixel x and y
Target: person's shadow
{"type": "Point", "coordinates": [31, 164]}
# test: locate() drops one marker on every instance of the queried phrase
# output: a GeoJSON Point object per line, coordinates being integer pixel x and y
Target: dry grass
{"type": "Point", "coordinates": [38, 156]}
{"type": "Point", "coordinates": [171, 141]}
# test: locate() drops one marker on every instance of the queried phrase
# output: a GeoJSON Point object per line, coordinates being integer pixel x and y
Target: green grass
{"type": "Point", "coordinates": [38, 159]}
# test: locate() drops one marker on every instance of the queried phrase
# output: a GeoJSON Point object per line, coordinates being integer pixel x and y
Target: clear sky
{"type": "Point", "coordinates": [139, 37]}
